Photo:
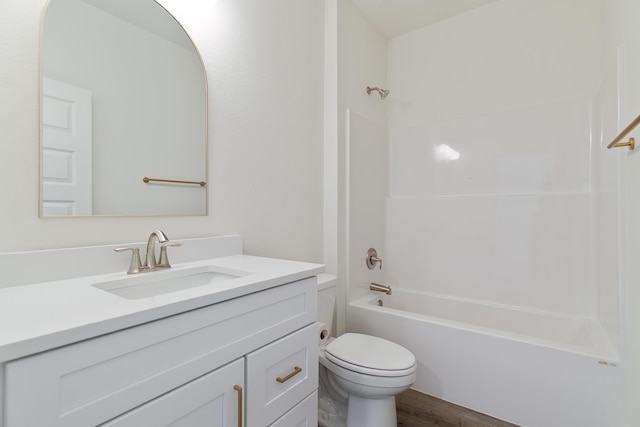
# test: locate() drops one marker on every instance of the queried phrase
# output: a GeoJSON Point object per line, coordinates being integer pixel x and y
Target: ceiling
{"type": "Point", "coordinates": [395, 17]}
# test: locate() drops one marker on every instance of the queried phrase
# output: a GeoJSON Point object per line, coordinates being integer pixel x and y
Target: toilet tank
{"type": "Point", "coordinates": [327, 300]}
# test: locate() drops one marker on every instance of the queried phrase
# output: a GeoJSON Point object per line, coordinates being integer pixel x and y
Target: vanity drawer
{"type": "Point", "coordinates": [305, 414]}
{"type": "Point", "coordinates": [280, 375]}
{"type": "Point", "coordinates": [93, 381]}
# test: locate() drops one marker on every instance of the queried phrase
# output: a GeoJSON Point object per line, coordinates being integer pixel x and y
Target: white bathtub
{"type": "Point", "coordinates": [532, 369]}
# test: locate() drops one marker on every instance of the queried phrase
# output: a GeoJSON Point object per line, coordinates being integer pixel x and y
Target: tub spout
{"type": "Point", "coordinates": [380, 288]}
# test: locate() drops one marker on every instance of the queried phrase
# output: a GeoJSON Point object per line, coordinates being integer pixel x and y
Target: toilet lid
{"type": "Point", "coordinates": [370, 355]}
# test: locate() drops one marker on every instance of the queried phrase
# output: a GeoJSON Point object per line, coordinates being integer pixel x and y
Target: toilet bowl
{"type": "Point", "coordinates": [360, 376]}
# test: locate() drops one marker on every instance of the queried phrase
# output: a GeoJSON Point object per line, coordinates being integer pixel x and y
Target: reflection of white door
{"type": "Point", "coordinates": [66, 149]}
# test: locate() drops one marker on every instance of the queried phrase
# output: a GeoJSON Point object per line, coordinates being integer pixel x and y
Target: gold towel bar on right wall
{"type": "Point", "coordinates": [147, 180]}
{"type": "Point", "coordinates": [631, 143]}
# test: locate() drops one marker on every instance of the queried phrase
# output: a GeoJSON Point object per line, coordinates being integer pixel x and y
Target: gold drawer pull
{"type": "Point", "coordinates": [239, 390]}
{"type": "Point", "coordinates": [295, 372]}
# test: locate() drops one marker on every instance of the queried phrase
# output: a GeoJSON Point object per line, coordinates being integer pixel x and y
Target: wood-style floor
{"type": "Point", "coordinates": [416, 409]}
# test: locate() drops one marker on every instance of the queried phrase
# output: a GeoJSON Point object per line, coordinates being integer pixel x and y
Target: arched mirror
{"type": "Point", "coordinates": [123, 99]}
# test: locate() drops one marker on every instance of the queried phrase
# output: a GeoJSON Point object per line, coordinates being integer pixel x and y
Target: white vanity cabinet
{"type": "Point", "coordinates": [253, 357]}
{"type": "Point", "coordinates": [214, 400]}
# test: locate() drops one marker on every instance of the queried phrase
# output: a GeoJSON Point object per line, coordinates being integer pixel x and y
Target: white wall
{"type": "Point", "coordinates": [491, 155]}
{"type": "Point", "coordinates": [508, 221]}
{"type": "Point", "coordinates": [622, 46]}
{"type": "Point", "coordinates": [264, 65]}
{"type": "Point", "coordinates": [505, 55]}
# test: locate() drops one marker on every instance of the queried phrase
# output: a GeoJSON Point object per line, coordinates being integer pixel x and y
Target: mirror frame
{"type": "Point", "coordinates": [205, 183]}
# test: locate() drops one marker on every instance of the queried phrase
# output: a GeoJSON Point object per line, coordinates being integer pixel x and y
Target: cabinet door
{"type": "Point", "coordinates": [305, 414]}
{"type": "Point", "coordinates": [213, 400]}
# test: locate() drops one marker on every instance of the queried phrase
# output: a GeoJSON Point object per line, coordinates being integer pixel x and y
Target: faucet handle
{"type": "Point", "coordinates": [372, 259]}
{"type": "Point", "coordinates": [164, 258]}
{"type": "Point", "coordinates": [135, 265]}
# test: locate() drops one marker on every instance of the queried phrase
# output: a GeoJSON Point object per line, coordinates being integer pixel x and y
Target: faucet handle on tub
{"type": "Point", "coordinates": [135, 265]}
{"type": "Point", "coordinates": [372, 259]}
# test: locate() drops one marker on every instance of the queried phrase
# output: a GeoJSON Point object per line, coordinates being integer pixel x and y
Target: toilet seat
{"type": "Point", "coordinates": [370, 355]}
{"type": "Point", "coordinates": [357, 377]}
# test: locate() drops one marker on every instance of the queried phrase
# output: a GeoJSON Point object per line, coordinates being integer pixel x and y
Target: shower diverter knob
{"type": "Point", "coordinates": [372, 259]}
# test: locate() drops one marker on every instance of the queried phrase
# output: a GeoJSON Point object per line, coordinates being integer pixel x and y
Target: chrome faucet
{"type": "Point", "coordinates": [151, 263]}
{"type": "Point", "coordinates": [380, 288]}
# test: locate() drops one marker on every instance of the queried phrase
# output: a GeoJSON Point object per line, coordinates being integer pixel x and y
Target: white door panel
{"type": "Point", "coordinates": [66, 149]}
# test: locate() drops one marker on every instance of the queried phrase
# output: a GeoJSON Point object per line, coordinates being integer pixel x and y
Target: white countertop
{"type": "Point", "coordinates": [41, 316]}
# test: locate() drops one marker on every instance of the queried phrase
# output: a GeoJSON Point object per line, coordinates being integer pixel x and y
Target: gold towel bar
{"type": "Point", "coordinates": [631, 143]}
{"type": "Point", "coordinates": [200, 183]}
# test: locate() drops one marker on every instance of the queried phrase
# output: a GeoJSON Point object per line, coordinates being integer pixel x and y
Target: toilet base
{"type": "Point", "coordinates": [371, 412]}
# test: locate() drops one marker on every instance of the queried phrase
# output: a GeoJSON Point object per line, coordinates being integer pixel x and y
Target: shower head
{"type": "Point", "coordinates": [383, 92]}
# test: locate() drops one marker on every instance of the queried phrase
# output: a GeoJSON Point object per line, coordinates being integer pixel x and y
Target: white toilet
{"type": "Point", "coordinates": [360, 375]}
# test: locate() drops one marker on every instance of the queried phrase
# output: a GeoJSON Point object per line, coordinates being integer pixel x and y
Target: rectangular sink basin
{"type": "Point", "coordinates": [145, 285]}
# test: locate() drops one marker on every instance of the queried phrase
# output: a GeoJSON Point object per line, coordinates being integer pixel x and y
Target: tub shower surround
{"type": "Point", "coordinates": [493, 229]}
{"type": "Point", "coordinates": [500, 208]}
